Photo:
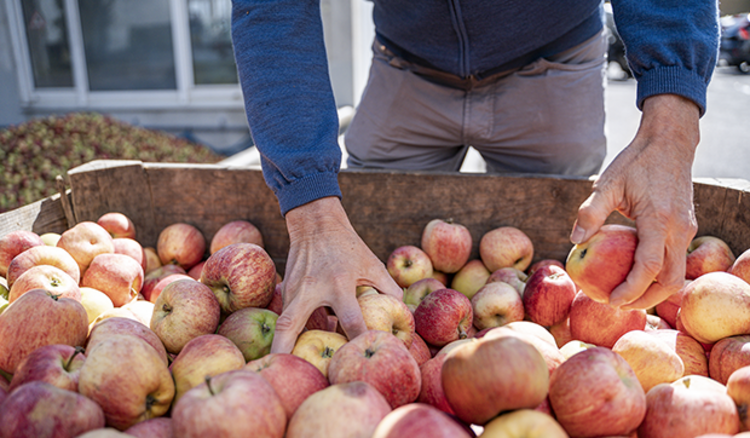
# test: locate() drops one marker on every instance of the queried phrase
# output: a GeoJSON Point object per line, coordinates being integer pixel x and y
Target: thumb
{"type": "Point", "coordinates": [592, 214]}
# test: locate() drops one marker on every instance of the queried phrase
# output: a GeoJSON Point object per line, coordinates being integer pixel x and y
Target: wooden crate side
{"type": "Point", "coordinates": [43, 216]}
{"type": "Point", "coordinates": [722, 209]}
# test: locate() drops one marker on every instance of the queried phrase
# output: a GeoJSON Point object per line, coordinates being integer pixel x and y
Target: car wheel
{"type": "Point", "coordinates": [744, 67]}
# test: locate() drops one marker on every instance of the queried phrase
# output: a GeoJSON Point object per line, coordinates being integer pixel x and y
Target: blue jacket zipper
{"type": "Point", "coordinates": [463, 38]}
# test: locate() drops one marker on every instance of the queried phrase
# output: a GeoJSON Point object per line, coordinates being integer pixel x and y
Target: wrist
{"type": "Point", "coordinates": [673, 118]}
{"type": "Point", "coordinates": [316, 216]}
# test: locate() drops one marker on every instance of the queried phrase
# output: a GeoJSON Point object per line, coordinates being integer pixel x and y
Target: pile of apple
{"type": "Point", "coordinates": [103, 337]}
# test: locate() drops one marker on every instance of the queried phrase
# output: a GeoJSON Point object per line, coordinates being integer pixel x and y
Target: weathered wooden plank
{"type": "Point", "coordinates": [43, 216]}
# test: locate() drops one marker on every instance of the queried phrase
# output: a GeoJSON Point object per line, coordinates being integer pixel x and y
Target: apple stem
{"type": "Point", "coordinates": [78, 350]}
{"type": "Point", "coordinates": [208, 383]}
{"type": "Point", "coordinates": [328, 352]}
{"type": "Point", "coordinates": [150, 401]}
{"type": "Point", "coordinates": [449, 220]}
{"type": "Point", "coordinates": [369, 353]}
{"type": "Point", "coordinates": [265, 328]}
{"type": "Point", "coordinates": [166, 307]}
{"type": "Point", "coordinates": [462, 333]}
{"type": "Point", "coordinates": [55, 296]}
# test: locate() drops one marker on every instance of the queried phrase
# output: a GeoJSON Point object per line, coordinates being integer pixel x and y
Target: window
{"type": "Point", "coordinates": [211, 42]}
{"type": "Point", "coordinates": [47, 42]}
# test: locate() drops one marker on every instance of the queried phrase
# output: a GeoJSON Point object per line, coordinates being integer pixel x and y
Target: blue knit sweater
{"type": "Point", "coordinates": [281, 60]}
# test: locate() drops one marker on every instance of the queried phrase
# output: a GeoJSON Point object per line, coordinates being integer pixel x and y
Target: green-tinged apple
{"type": "Point", "coordinates": [447, 243]}
{"type": "Point", "coordinates": [548, 294]}
{"type": "Point", "coordinates": [131, 248]}
{"type": "Point", "coordinates": [57, 364]}
{"type": "Point", "coordinates": [42, 255]}
{"type": "Point", "coordinates": [84, 241]}
{"type": "Point", "coordinates": [727, 356]}
{"type": "Point", "coordinates": [128, 379]}
{"type": "Point", "coordinates": [117, 275]}
{"type": "Point", "coordinates": [512, 276]}
{"type": "Point", "coordinates": [160, 427]}
{"type": "Point", "coordinates": [13, 244]}
{"type": "Point", "coordinates": [496, 304]}
{"type": "Point", "coordinates": [293, 378]}
{"type": "Point", "coordinates": [95, 302]}
{"type": "Point", "coordinates": [545, 262]}
{"type": "Point", "coordinates": [251, 329]}
{"type": "Point", "coordinates": [524, 423]}
{"type": "Point", "coordinates": [707, 254]}
{"type": "Point", "coordinates": [601, 324]}
{"type": "Point", "coordinates": [470, 278]}
{"type": "Point", "coordinates": [741, 266]}
{"type": "Point", "coordinates": [318, 347]}
{"type": "Point", "coordinates": [117, 225]}
{"type": "Point", "coordinates": [152, 259]}
{"type": "Point", "coordinates": [382, 360]}
{"type": "Point", "coordinates": [484, 378]}
{"type": "Point", "coordinates": [414, 294]}
{"type": "Point", "coordinates": [650, 358]}
{"type": "Point", "coordinates": [206, 355]}
{"type": "Point", "coordinates": [715, 306]}
{"type": "Point", "coordinates": [595, 393]}
{"type": "Point", "coordinates": [689, 407]}
{"type": "Point", "coordinates": [50, 239]}
{"type": "Point", "coordinates": [419, 350]}
{"type": "Point", "coordinates": [241, 275]}
{"type": "Point", "coordinates": [690, 351]}
{"type": "Point", "coordinates": [124, 326]}
{"type": "Point", "coordinates": [389, 314]}
{"type": "Point", "coordinates": [36, 319]}
{"type": "Point", "coordinates": [443, 316]}
{"type": "Point", "coordinates": [237, 403]}
{"type": "Point", "coordinates": [239, 231]}
{"type": "Point", "coordinates": [181, 244]}
{"type": "Point", "coordinates": [321, 414]}
{"type": "Point", "coordinates": [38, 409]}
{"type": "Point", "coordinates": [573, 347]}
{"type": "Point", "coordinates": [47, 277]}
{"type": "Point", "coordinates": [365, 290]}
{"type": "Point", "coordinates": [738, 388]}
{"type": "Point", "coordinates": [419, 420]}
{"type": "Point", "coordinates": [506, 247]}
{"type": "Point", "coordinates": [602, 263]}
{"type": "Point", "coordinates": [184, 310]}
{"type": "Point", "coordinates": [408, 264]}
{"type": "Point", "coordinates": [431, 391]}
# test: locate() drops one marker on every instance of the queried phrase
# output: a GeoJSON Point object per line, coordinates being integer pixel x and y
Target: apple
{"type": "Point", "coordinates": [532, 328]}
{"type": "Point", "coordinates": [36, 319]}
{"type": "Point", "coordinates": [321, 414]}
{"type": "Point", "coordinates": [84, 241]}
{"type": "Point", "coordinates": [651, 359]}
{"type": "Point", "coordinates": [196, 271]}
{"type": "Point", "coordinates": [184, 310]}
{"type": "Point", "coordinates": [512, 276]}
{"type": "Point", "coordinates": [715, 306]}
{"type": "Point", "coordinates": [159, 427]}
{"type": "Point", "coordinates": [318, 347]}
{"type": "Point", "coordinates": [151, 279]}
{"type": "Point", "coordinates": [483, 378]}
{"type": "Point", "coordinates": [690, 351]}
{"type": "Point", "coordinates": [418, 420]}
{"type": "Point", "coordinates": [128, 379]}
{"type": "Point", "coordinates": [47, 277]}
{"type": "Point", "coordinates": [57, 364]}
{"type": "Point", "coordinates": [442, 277]}
{"type": "Point", "coordinates": [158, 288]}
{"type": "Point", "coordinates": [251, 329]}
{"type": "Point", "coordinates": [549, 351]}
{"type": "Point", "coordinates": [241, 275]}
{"type": "Point", "coordinates": [545, 262]}
{"type": "Point", "coordinates": [738, 388]}
{"type": "Point", "coordinates": [524, 423]}
{"type": "Point", "coordinates": [95, 302]}
{"type": "Point", "coordinates": [50, 239]}
{"type": "Point", "coordinates": [389, 314]}
{"type": "Point", "coordinates": [470, 278]}
{"type": "Point", "coordinates": [707, 254]}
{"type": "Point", "coordinates": [181, 244]}
{"type": "Point", "coordinates": [727, 356]}
{"type": "Point", "coordinates": [408, 264]}
{"type": "Point", "coordinates": [600, 264]}
{"type": "Point", "coordinates": [419, 350]}
{"type": "Point", "coordinates": [506, 247]}
{"type": "Point", "coordinates": [117, 275]}
{"type": "Point", "coordinates": [741, 266]}
{"type": "Point", "coordinates": [239, 231]}
{"type": "Point", "coordinates": [206, 355]}
{"type": "Point", "coordinates": [231, 404]}
{"type": "Point", "coordinates": [131, 248]}
{"type": "Point", "coordinates": [293, 378]}
{"type": "Point", "coordinates": [561, 332]}
{"type": "Point", "coordinates": [318, 320]}
{"type": "Point", "coordinates": [447, 243]}
{"type": "Point", "coordinates": [13, 244]}
{"type": "Point", "coordinates": [443, 316]}
{"type": "Point", "coordinates": [571, 348]}
{"type": "Point", "coordinates": [596, 393]}
{"type": "Point", "coordinates": [601, 324]}
{"type": "Point", "coordinates": [654, 322]}
{"type": "Point", "coordinates": [496, 304]}
{"type": "Point", "coordinates": [42, 255]}
{"type": "Point", "coordinates": [548, 294]}
{"type": "Point", "coordinates": [431, 391]}
{"type": "Point", "coordinates": [276, 305]}
{"type": "Point", "coordinates": [152, 259]}
{"type": "Point", "coordinates": [107, 432]}
{"type": "Point", "coordinates": [415, 293]}
{"type": "Point", "coordinates": [117, 225]}
{"type": "Point", "coordinates": [38, 409]}
{"type": "Point", "coordinates": [382, 360]}
{"type": "Point", "coordinates": [691, 406]}
{"type": "Point", "coordinates": [117, 312]}
{"type": "Point", "coordinates": [142, 309]}
{"type": "Point", "coordinates": [123, 326]}
{"type": "Point", "coordinates": [667, 309]}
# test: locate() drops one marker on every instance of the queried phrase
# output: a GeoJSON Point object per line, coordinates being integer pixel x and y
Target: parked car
{"type": "Point", "coordinates": [735, 42]}
{"type": "Point", "coordinates": [616, 52]}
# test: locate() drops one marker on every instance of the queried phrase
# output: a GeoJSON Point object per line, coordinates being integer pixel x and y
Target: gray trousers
{"type": "Point", "coordinates": [546, 117]}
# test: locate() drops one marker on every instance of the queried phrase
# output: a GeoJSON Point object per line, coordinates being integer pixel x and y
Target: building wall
{"type": "Point", "coordinates": [10, 104]}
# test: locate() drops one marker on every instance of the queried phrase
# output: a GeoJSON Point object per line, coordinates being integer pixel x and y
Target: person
{"type": "Point", "coordinates": [522, 82]}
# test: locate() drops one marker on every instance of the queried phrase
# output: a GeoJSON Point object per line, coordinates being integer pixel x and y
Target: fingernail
{"type": "Point", "coordinates": [577, 235]}
{"type": "Point", "coordinates": [616, 302]}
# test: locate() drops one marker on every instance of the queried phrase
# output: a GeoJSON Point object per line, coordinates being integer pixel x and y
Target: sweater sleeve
{"type": "Point", "coordinates": [283, 71]}
{"type": "Point", "coordinates": [671, 45]}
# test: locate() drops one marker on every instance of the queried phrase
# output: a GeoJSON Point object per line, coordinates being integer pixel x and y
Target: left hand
{"type": "Point", "coordinates": [650, 182]}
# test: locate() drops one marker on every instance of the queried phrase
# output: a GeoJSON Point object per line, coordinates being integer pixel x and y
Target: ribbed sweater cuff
{"type": "Point", "coordinates": [673, 80]}
{"type": "Point", "coordinates": [308, 189]}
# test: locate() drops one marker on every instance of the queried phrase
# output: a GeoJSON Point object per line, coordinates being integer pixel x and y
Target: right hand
{"type": "Point", "coordinates": [327, 261]}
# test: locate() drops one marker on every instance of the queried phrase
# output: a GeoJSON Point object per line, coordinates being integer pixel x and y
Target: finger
{"type": "Point", "coordinates": [649, 259]}
{"type": "Point", "coordinates": [289, 325]}
{"type": "Point", "coordinates": [350, 317]}
{"type": "Point", "coordinates": [385, 284]}
{"type": "Point", "coordinates": [592, 214]}
{"type": "Point", "coordinates": [655, 294]}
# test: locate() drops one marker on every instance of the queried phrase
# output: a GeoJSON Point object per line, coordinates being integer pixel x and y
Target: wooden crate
{"type": "Point", "coordinates": [388, 209]}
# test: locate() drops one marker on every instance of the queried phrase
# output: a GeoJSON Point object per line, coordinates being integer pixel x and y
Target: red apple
{"type": "Point", "coordinates": [132, 248]}
{"type": "Point", "coordinates": [512, 276]}
{"type": "Point", "coordinates": [448, 244]}
{"type": "Point", "coordinates": [419, 350]}
{"type": "Point", "coordinates": [470, 278]}
{"type": "Point", "coordinates": [417, 420]}
{"type": "Point", "coordinates": [549, 351]}
{"type": "Point", "coordinates": [196, 271]}
{"type": "Point", "coordinates": [738, 387]}
{"type": "Point", "coordinates": [181, 244]}
{"type": "Point", "coordinates": [601, 324]}
{"type": "Point", "coordinates": [727, 356]}
{"type": "Point", "coordinates": [123, 326]}
{"type": "Point", "coordinates": [239, 231]}
{"type": "Point", "coordinates": [667, 309]}
{"type": "Point", "coordinates": [548, 295]}
{"type": "Point", "coordinates": [117, 275]}
{"type": "Point", "coordinates": [57, 364]}
{"type": "Point", "coordinates": [47, 277]}
{"type": "Point", "coordinates": [415, 293]}
{"type": "Point", "coordinates": [408, 264]}
{"type": "Point", "coordinates": [600, 264]}
{"type": "Point", "coordinates": [42, 255]}
{"type": "Point", "coordinates": [443, 316]}
{"type": "Point", "coordinates": [707, 254]}
{"type": "Point", "coordinates": [276, 305]}
{"type": "Point", "coordinates": [545, 262]}
{"type": "Point", "coordinates": [241, 275]}
{"type": "Point", "coordinates": [432, 392]}
{"type": "Point", "coordinates": [160, 427]}
{"type": "Point", "coordinates": [741, 266]}
{"type": "Point", "coordinates": [13, 244]}
{"type": "Point", "coordinates": [117, 225]}
{"type": "Point", "coordinates": [496, 304]}
{"type": "Point", "coordinates": [389, 314]}
{"type": "Point", "coordinates": [561, 332]}
{"type": "Point", "coordinates": [84, 241]}
{"type": "Point", "coordinates": [158, 288]}
{"type": "Point", "coordinates": [690, 351]}
{"type": "Point", "coordinates": [151, 279]}
{"type": "Point", "coordinates": [652, 360]}
{"type": "Point", "coordinates": [506, 247]}
{"type": "Point", "coordinates": [715, 306]}
{"type": "Point", "coordinates": [252, 330]}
